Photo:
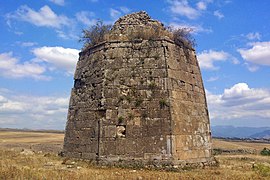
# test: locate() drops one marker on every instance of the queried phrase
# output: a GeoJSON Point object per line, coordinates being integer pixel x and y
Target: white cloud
{"type": "Point", "coordinates": [259, 53]}
{"type": "Point", "coordinates": [66, 35]}
{"type": "Point", "coordinates": [201, 5]}
{"type": "Point", "coordinates": [195, 28]}
{"type": "Point", "coordinates": [115, 14]}
{"type": "Point", "coordinates": [239, 90]}
{"type": "Point", "coordinates": [235, 60]}
{"type": "Point", "coordinates": [253, 36]}
{"type": "Point", "coordinates": [59, 57]}
{"type": "Point", "coordinates": [11, 106]}
{"type": "Point", "coordinates": [18, 33]}
{"type": "Point", "coordinates": [124, 9]}
{"type": "Point", "coordinates": [212, 79]}
{"type": "Point", "coordinates": [44, 17]}
{"type": "Point", "coordinates": [33, 111]}
{"type": "Point", "coordinates": [26, 44]}
{"type": "Point", "coordinates": [182, 8]}
{"type": "Point", "coordinates": [3, 99]}
{"type": "Point", "coordinates": [64, 27]}
{"type": "Point", "coordinates": [47, 58]}
{"type": "Point", "coordinates": [10, 67]}
{"type": "Point", "coordinates": [59, 2]}
{"type": "Point", "coordinates": [207, 59]}
{"type": "Point", "coordinates": [86, 17]}
{"type": "Point", "coordinates": [251, 67]}
{"type": "Point", "coordinates": [239, 101]}
{"type": "Point", "coordinates": [218, 14]}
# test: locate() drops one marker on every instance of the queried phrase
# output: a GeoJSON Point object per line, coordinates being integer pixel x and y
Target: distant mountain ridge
{"type": "Point", "coordinates": [240, 132]}
{"type": "Point", "coordinates": [262, 135]}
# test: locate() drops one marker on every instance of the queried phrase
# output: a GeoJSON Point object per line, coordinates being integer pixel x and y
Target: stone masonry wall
{"type": "Point", "coordinates": [191, 126]}
{"type": "Point", "coordinates": [138, 101]}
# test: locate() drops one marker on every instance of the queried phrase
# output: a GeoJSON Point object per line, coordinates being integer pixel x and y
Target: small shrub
{"type": "Point", "coordinates": [265, 152]}
{"type": "Point", "coordinates": [130, 116]}
{"type": "Point", "coordinates": [263, 170]}
{"type": "Point", "coordinates": [95, 34]}
{"type": "Point", "coordinates": [138, 102]}
{"type": "Point", "coordinates": [182, 36]}
{"type": "Point", "coordinates": [163, 104]}
{"type": "Point", "coordinates": [152, 85]}
{"type": "Point", "coordinates": [120, 120]}
{"type": "Point", "coordinates": [217, 151]}
{"type": "Point", "coordinates": [128, 98]}
{"type": "Point", "coordinates": [101, 32]}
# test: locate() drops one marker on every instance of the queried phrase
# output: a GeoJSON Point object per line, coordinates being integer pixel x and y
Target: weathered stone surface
{"type": "Point", "coordinates": [138, 101]}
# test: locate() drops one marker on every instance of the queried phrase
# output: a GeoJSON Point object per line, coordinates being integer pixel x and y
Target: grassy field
{"type": "Point", "coordinates": [37, 141]}
{"type": "Point", "coordinates": [32, 155]}
{"type": "Point", "coordinates": [222, 144]}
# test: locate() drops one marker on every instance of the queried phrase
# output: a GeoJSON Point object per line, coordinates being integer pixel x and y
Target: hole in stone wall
{"type": "Point", "coordinates": [78, 83]}
{"type": "Point", "coordinates": [76, 112]}
{"type": "Point", "coordinates": [102, 113]}
{"type": "Point", "coordinates": [144, 115]}
{"type": "Point", "coordinates": [182, 83]}
{"type": "Point", "coordinates": [100, 104]}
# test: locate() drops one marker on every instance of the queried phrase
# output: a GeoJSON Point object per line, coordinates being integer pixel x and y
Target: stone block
{"type": "Point", "coordinates": [110, 131]}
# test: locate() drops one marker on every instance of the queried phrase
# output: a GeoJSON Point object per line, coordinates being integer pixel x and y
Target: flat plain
{"type": "Point", "coordinates": [34, 155]}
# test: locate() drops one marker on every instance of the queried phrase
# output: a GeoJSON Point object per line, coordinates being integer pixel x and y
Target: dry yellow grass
{"type": "Point", "coordinates": [30, 137]}
{"type": "Point", "coordinates": [217, 143]}
{"type": "Point", "coordinates": [17, 165]}
{"type": "Point", "coordinates": [38, 141]}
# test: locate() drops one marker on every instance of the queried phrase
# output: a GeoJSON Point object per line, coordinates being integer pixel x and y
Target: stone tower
{"type": "Point", "coordinates": [138, 97]}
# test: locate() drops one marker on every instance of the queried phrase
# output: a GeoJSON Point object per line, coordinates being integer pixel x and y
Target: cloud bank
{"type": "Point", "coordinates": [208, 58]}
{"type": "Point", "coordinates": [58, 57]}
{"type": "Point", "coordinates": [32, 111]}
{"type": "Point", "coordinates": [45, 16]}
{"type": "Point", "coordinates": [258, 53]}
{"type": "Point", "coordinates": [240, 102]}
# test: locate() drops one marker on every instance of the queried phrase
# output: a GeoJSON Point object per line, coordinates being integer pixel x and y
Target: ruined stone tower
{"type": "Point", "coordinates": [138, 97]}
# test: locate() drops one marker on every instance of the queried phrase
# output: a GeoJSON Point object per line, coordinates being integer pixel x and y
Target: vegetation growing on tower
{"type": "Point", "coordinates": [103, 32]}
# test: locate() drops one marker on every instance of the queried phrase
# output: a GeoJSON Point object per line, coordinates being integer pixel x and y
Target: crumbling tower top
{"type": "Point", "coordinates": [137, 21]}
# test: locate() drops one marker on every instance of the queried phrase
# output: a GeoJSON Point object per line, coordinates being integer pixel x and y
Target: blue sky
{"type": "Point", "coordinates": [39, 50]}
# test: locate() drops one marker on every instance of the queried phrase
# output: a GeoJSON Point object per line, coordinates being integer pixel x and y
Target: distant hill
{"type": "Point", "coordinates": [262, 135]}
{"type": "Point", "coordinates": [240, 132]}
